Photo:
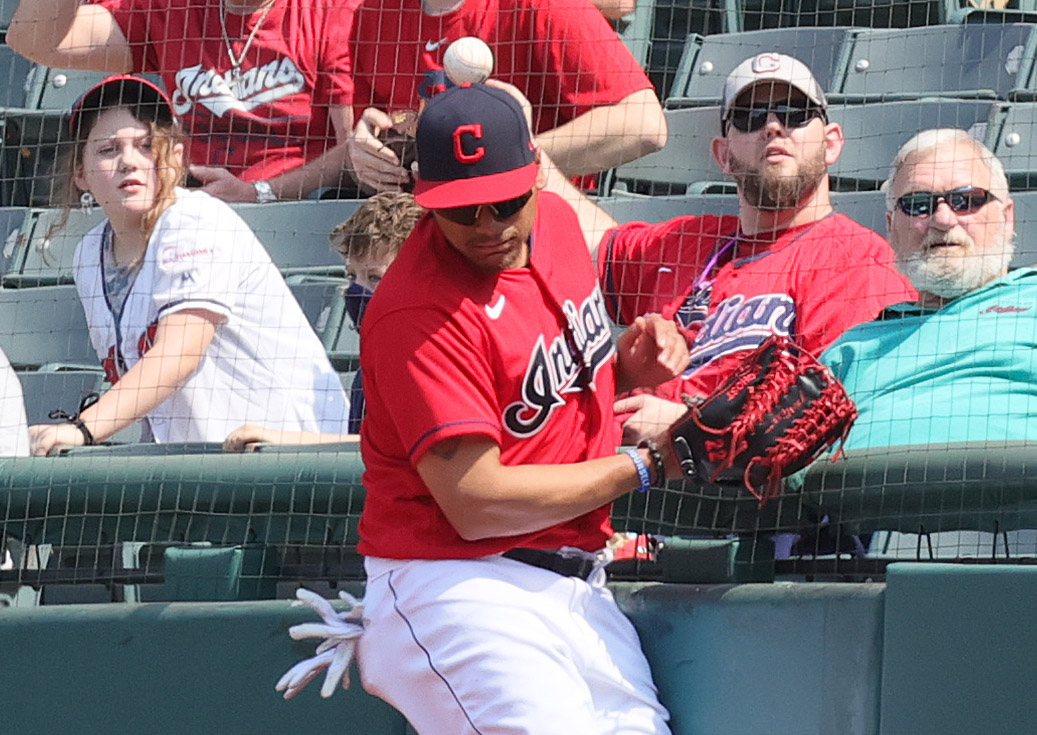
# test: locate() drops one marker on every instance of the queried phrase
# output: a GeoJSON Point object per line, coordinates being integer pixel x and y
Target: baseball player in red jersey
{"type": "Point", "coordinates": [490, 451]}
{"type": "Point", "coordinates": [593, 106]}
{"type": "Point", "coordinates": [263, 88]}
{"type": "Point", "coordinates": [787, 264]}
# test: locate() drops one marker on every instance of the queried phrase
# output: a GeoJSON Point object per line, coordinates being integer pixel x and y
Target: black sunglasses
{"type": "Point", "coordinates": [751, 119]}
{"type": "Point", "coordinates": [964, 200]}
{"type": "Point", "coordinates": [501, 210]}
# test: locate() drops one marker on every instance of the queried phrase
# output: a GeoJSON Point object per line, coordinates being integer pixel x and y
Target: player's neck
{"type": "Point", "coordinates": [816, 206]}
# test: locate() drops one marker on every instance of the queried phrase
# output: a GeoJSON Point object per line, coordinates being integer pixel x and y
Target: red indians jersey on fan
{"type": "Point", "coordinates": [449, 350]}
{"type": "Point", "coordinates": [270, 115]}
{"type": "Point", "coordinates": [561, 53]}
{"type": "Point", "coordinates": [811, 283]}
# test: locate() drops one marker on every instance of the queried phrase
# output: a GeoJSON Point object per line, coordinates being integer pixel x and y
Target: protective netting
{"type": "Point", "coordinates": [100, 520]}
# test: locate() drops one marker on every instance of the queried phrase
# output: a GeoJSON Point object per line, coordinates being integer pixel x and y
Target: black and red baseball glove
{"type": "Point", "coordinates": [776, 413]}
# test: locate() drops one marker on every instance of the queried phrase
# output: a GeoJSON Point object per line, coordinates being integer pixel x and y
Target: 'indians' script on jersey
{"type": "Point", "coordinates": [236, 90]}
{"type": "Point", "coordinates": [741, 323]}
{"type": "Point", "coordinates": [554, 370]}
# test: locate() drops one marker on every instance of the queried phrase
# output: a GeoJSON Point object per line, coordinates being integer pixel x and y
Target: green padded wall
{"type": "Point", "coordinates": [168, 669]}
{"type": "Point", "coordinates": [785, 658]}
{"type": "Point", "coordinates": [960, 650]}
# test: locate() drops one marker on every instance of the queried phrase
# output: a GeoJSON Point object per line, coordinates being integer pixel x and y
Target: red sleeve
{"type": "Point", "coordinates": [336, 63]}
{"type": "Point", "coordinates": [645, 268]}
{"type": "Point", "coordinates": [859, 282]}
{"type": "Point", "coordinates": [430, 387]}
{"type": "Point", "coordinates": [132, 18]}
{"type": "Point", "coordinates": [587, 62]}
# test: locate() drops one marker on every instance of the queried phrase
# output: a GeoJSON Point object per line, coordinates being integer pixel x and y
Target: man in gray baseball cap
{"type": "Point", "coordinates": [787, 264]}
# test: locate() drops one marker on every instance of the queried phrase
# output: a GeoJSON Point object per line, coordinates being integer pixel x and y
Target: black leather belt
{"type": "Point", "coordinates": [553, 562]}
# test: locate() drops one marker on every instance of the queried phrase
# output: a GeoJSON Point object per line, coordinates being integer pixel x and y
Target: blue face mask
{"type": "Point", "coordinates": [357, 298]}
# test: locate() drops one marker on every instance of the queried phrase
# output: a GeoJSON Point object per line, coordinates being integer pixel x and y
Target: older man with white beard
{"type": "Point", "coordinates": [959, 364]}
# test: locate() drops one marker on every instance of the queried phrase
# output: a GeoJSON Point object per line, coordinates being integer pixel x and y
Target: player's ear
{"type": "Point", "coordinates": [541, 180]}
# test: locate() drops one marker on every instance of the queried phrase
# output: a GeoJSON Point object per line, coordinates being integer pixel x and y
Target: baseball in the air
{"type": "Point", "coordinates": [468, 60]}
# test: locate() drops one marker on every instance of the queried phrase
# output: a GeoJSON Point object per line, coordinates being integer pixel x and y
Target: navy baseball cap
{"type": "Point", "coordinates": [474, 147]}
{"type": "Point", "coordinates": [147, 100]}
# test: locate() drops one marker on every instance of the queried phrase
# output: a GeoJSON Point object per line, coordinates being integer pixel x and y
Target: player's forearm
{"type": "Point", "coordinates": [484, 499]}
{"type": "Point", "coordinates": [608, 136]}
{"type": "Point", "coordinates": [64, 33]}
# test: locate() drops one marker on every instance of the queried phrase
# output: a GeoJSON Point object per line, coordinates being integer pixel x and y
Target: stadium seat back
{"type": "Point", "coordinates": [1015, 144]}
{"type": "Point", "coordinates": [44, 326]}
{"type": "Point", "coordinates": [296, 233]}
{"type": "Point", "coordinates": [760, 14]}
{"type": "Point", "coordinates": [31, 144]}
{"type": "Point", "coordinates": [322, 303]}
{"type": "Point", "coordinates": [45, 391]}
{"type": "Point", "coordinates": [48, 248]}
{"type": "Point", "coordinates": [960, 60]}
{"type": "Point", "coordinates": [15, 72]}
{"type": "Point", "coordinates": [58, 89]}
{"type": "Point", "coordinates": [874, 133]}
{"type": "Point", "coordinates": [684, 163]}
{"type": "Point", "coordinates": [1025, 228]}
{"type": "Point", "coordinates": [867, 208]}
{"type": "Point", "coordinates": [707, 61]}
{"type": "Point", "coordinates": [672, 22]}
{"type": "Point", "coordinates": [12, 225]}
{"type": "Point", "coordinates": [662, 208]}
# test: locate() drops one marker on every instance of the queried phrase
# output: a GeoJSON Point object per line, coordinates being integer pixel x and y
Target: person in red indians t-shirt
{"type": "Point", "coordinates": [489, 449]}
{"type": "Point", "coordinates": [263, 88]}
{"type": "Point", "coordinates": [787, 264]}
{"type": "Point", "coordinates": [593, 106]}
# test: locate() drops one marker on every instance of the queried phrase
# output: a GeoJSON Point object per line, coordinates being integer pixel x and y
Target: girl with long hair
{"type": "Point", "coordinates": [194, 325]}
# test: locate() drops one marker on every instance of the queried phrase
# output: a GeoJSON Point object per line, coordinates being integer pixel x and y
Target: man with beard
{"type": "Point", "coordinates": [959, 364]}
{"type": "Point", "coordinates": [787, 264]}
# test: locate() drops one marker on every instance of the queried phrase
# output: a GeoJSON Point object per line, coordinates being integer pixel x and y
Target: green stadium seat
{"type": "Point", "coordinates": [864, 207]}
{"type": "Point", "coordinates": [760, 14]}
{"type": "Point", "coordinates": [662, 208]}
{"type": "Point", "coordinates": [12, 222]}
{"type": "Point", "coordinates": [672, 22]}
{"type": "Point", "coordinates": [684, 165]}
{"type": "Point", "coordinates": [1015, 144]}
{"type": "Point", "coordinates": [44, 326]}
{"type": "Point", "coordinates": [31, 144]}
{"type": "Point", "coordinates": [294, 233]}
{"type": "Point", "coordinates": [15, 72]}
{"type": "Point", "coordinates": [322, 303]}
{"type": "Point", "coordinates": [960, 60]}
{"type": "Point", "coordinates": [58, 89]}
{"type": "Point", "coordinates": [707, 61]}
{"type": "Point", "coordinates": [1025, 228]}
{"type": "Point", "coordinates": [874, 132]}
{"type": "Point", "coordinates": [45, 391]}
{"type": "Point", "coordinates": [635, 30]}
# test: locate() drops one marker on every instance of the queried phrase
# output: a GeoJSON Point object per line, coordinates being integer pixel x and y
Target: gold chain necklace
{"type": "Point", "coordinates": [236, 61]}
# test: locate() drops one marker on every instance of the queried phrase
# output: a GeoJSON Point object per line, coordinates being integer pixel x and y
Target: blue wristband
{"type": "Point", "coordinates": [642, 469]}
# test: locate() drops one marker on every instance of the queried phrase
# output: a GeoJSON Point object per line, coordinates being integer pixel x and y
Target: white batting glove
{"type": "Point", "coordinates": [340, 632]}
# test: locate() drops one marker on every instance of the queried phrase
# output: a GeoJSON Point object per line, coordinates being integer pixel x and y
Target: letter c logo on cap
{"type": "Point", "coordinates": [474, 130]}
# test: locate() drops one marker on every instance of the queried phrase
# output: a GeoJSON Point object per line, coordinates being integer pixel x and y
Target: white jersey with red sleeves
{"type": "Point", "coordinates": [264, 365]}
{"type": "Point", "coordinates": [523, 357]}
{"type": "Point", "coordinates": [562, 54]}
{"type": "Point", "coordinates": [271, 114]}
{"type": "Point", "coordinates": [811, 282]}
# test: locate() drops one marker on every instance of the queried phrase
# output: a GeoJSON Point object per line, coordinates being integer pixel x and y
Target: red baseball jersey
{"type": "Point", "coordinates": [811, 282]}
{"type": "Point", "coordinates": [266, 117]}
{"type": "Point", "coordinates": [562, 54]}
{"type": "Point", "coordinates": [523, 357]}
